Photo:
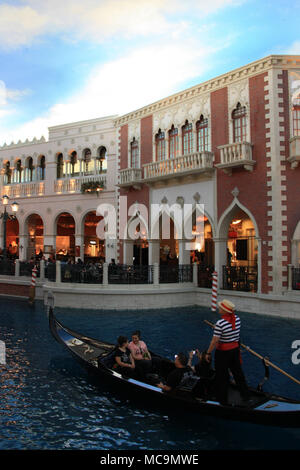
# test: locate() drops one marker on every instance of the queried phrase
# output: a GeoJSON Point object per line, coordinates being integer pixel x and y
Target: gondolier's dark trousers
{"type": "Point", "coordinates": [225, 361]}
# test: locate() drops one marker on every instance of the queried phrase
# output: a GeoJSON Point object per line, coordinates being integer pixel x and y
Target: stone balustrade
{"type": "Point", "coordinates": [236, 154]}
{"type": "Point", "coordinates": [73, 185]}
{"type": "Point", "coordinates": [185, 164]}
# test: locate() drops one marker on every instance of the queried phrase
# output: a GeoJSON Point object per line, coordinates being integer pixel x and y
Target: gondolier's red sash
{"type": "Point", "coordinates": [227, 346]}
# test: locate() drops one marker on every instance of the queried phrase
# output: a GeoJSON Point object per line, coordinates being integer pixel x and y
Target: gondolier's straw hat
{"type": "Point", "coordinates": [227, 306]}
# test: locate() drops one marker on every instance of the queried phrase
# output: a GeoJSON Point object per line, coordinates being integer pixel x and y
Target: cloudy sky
{"type": "Point", "coordinates": [69, 60]}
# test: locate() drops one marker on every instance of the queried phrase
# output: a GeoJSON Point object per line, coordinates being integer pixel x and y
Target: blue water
{"type": "Point", "coordinates": [47, 401]}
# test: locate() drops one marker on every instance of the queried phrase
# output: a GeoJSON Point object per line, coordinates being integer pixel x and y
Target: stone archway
{"type": "Point", "coordinates": [238, 250]}
{"type": "Point", "coordinates": [65, 236]}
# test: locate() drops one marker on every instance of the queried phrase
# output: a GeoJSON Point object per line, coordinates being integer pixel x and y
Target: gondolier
{"type": "Point", "coordinates": [225, 340]}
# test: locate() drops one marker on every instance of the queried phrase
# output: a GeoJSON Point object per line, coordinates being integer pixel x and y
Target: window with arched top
{"type": "Point", "coordinates": [60, 166]}
{"type": "Point", "coordinates": [7, 173]}
{"type": "Point", "coordinates": [29, 170]}
{"type": "Point", "coordinates": [41, 168]}
{"type": "Point", "coordinates": [187, 138]}
{"type": "Point", "coordinates": [74, 164]}
{"type": "Point", "coordinates": [160, 146]}
{"type": "Point", "coordinates": [101, 161]}
{"type": "Point", "coordinates": [296, 116]}
{"type": "Point", "coordinates": [134, 154]}
{"type": "Point", "coordinates": [202, 134]}
{"type": "Point", "coordinates": [239, 123]}
{"type": "Point", "coordinates": [88, 163]}
{"type": "Point", "coordinates": [18, 172]}
{"type": "Point", "coordinates": [173, 142]}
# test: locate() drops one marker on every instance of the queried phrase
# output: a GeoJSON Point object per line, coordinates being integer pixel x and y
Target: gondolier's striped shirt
{"type": "Point", "coordinates": [223, 330]}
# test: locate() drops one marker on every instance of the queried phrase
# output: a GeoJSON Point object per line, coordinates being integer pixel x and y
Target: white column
{"type": "Point", "coordinates": [184, 254]}
{"type": "Point", "coordinates": [195, 274]}
{"type": "Point", "coordinates": [128, 252]}
{"type": "Point", "coordinates": [58, 271]}
{"type": "Point", "coordinates": [220, 258]}
{"type": "Point", "coordinates": [79, 241]}
{"type": "Point", "coordinates": [153, 252]}
{"type": "Point", "coordinates": [23, 245]}
{"type": "Point", "coordinates": [156, 274]}
{"type": "Point", "coordinates": [105, 274]}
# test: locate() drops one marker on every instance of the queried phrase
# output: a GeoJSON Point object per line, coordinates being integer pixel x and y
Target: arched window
{"type": "Point", "coordinates": [134, 154]}
{"type": "Point", "coordinates": [187, 138]}
{"type": "Point", "coordinates": [87, 162]}
{"type": "Point", "coordinates": [202, 135]}
{"type": "Point", "coordinates": [160, 146]}
{"type": "Point", "coordinates": [296, 116]}
{"type": "Point", "coordinates": [74, 164]}
{"type": "Point", "coordinates": [101, 162]}
{"type": "Point", "coordinates": [18, 172]}
{"type": "Point", "coordinates": [60, 166]}
{"type": "Point", "coordinates": [173, 142]}
{"type": "Point", "coordinates": [239, 124]}
{"type": "Point", "coordinates": [41, 168]}
{"type": "Point", "coordinates": [29, 170]}
{"type": "Point", "coordinates": [7, 173]}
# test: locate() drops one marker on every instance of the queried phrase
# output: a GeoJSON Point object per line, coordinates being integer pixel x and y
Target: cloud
{"type": "Point", "coordinates": [123, 85]}
{"type": "Point", "coordinates": [97, 20]}
{"type": "Point", "coordinates": [293, 49]}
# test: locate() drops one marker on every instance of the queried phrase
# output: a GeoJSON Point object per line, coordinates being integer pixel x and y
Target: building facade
{"type": "Point", "coordinates": [230, 145]}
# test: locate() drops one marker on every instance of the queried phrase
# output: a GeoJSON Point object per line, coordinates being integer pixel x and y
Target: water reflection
{"type": "Point", "coordinates": [48, 402]}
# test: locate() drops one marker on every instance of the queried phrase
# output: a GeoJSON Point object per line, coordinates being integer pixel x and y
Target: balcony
{"type": "Point", "coordinates": [130, 177]}
{"type": "Point", "coordinates": [16, 190]}
{"type": "Point", "coordinates": [236, 155]}
{"type": "Point", "coordinates": [73, 185]}
{"type": "Point", "coordinates": [192, 164]}
{"type": "Point", "coordinates": [294, 157]}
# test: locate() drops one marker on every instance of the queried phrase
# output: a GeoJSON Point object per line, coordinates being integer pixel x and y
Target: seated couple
{"type": "Point", "coordinates": [132, 359]}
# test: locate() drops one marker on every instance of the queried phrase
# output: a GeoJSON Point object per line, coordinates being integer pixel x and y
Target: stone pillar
{"type": "Point", "coordinates": [42, 270]}
{"type": "Point", "coordinates": [195, 274]}
{"type": "Point", "coordinates": [79, 242]}
{"type": "Point", "coordinates": [128, 252]}
{"type": "Point", "coordinates": [49, 245]}
{"type": "Point", "coordinates": [105, 274]}
{"type": "Point", "coordinates": [156, 274]}
{"type": "Point", "coordinates": [50, 177]}
{"type": "Point", "coordinates": [58, 272]}
{"type": "Point", "coordinates": [184, 254]}
{"type": "Point", "coordinates": [17, 269]}
{"type": "Point", "coordinates": [290, 277]}
{"type": "Point", "coordinates": [220, 258]}
{"type": "Point", "coordinates": [153, 252]}
{"type": "Point", "coordinates": [23, 245]}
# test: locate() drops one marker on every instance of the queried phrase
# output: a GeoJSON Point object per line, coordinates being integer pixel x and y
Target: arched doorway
{"type": "Point", "coordinates": [12, 238]}
{"type": "Point", "coordinates": [94, 248]}
{"type": "Point", "coordinates": [136, 247]}
{"type": "Point", "coordinates": [35, 233]}
{"type": "Point", "coordinates": [65, 236]}
{"type": "Point", "coordinates": [240, 251]}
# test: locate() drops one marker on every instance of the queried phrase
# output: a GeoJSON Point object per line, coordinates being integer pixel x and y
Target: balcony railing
{"type": "Point", "coordinates": [73, 185]}
{"type": "Point", "coordinates": [130, 177]}
{"type": "Point", "coordinates": [242, 278]}
{"type": "Point", "coordinates": [294, 157]}
{"type": "Point", "coordinates": [180, 166]}
{"type": "Point", "coordinates": [16, 190]}
{"type": "Point", "coordinates": [238, 154]}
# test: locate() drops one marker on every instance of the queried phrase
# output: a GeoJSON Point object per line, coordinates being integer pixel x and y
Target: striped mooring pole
{"type": "Point", "coordinates": [32, 286]}
{"type": "Point", "coordinates": [214, 292]}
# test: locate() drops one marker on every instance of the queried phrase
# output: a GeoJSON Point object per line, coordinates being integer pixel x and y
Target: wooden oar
{"type": "Point", "coordinates": [268, 363]}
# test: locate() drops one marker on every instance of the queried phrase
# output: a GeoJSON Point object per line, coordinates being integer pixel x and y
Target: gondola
{"type": "Point", "coordinates": [97, 357]}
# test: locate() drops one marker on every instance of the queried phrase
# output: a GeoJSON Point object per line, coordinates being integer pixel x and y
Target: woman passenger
{"type": "Point", "coordinates": [140, 354]}
{"type": "Point", "coordinates": [124, 362]}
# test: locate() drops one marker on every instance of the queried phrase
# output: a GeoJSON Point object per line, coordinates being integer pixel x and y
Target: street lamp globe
{"type": "Point", "coordinates": [15, 206]}
{"type": "Point", "coordinates": [5, 200]}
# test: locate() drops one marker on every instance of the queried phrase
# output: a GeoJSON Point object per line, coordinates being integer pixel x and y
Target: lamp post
{"type": "Point", "coordinates": [6, 216]}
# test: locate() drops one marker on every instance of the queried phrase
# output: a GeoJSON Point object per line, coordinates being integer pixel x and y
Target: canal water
{"type": "Point", "coordinates": [47, 401]}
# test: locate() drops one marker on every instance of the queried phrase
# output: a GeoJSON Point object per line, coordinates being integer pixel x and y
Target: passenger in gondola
{"type": "Point", "coordinates": [140, 354]}
{"type": "Point", "coordinates": [181, 372]}
{"type": "Point", "coordinates": [124, 362]}
{"type": "Point", "coordinates": [204, 370]}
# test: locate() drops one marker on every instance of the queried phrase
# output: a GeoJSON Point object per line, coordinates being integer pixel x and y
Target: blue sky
{"type": "Point", "coordinates": [65, 61]}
